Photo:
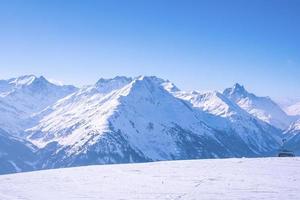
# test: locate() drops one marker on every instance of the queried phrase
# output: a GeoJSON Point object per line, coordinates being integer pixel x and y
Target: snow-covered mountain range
{"type": "Point", "coordinates": [22, 97]}
{"type": "Point", "coordinates": [123, 120]}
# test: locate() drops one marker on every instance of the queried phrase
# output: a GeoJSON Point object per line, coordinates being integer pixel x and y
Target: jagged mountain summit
{"type": "Point", "coordinates": [261, 107]}
{"type": "Point", "coordinates": [7, 86]}
{"type": "Point", "coordinates": [22, 97]}
{"type": "Point", "coordinates": [228, 117]}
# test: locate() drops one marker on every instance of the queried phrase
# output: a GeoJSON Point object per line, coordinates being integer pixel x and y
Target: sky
{"type": "Point", "coordinates": [198, 45]}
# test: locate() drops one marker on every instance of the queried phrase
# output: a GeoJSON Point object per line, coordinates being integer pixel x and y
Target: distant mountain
{"type": "Point", "coordinates": [9, 85]}
{"type": "Point", "coordinates": [263, 108]}
{"type": "Point", "coordinates": [24, 96]}
{"type": "Point", "coordinates": [16, 155]}
{"type": "Point", "coordinates": [293, 109]}
{"type": "Point", "coordinates": [293, 137]}
{"type": "Point", "coordinates": [248, 131]}
{"type": "Point", "coordinates": [124, 120]}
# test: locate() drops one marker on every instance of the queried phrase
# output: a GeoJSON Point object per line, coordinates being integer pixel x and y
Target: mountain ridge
{"type": "Point", "coordinates": [140, 119]}
{"type": "Point", "coordinates": [25, 96]}
{"type": "Point", "coordinates": [263, 108]}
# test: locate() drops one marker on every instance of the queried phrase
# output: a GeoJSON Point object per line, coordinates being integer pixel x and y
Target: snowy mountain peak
{"type": "Point", "coordinates": [236, 91]}
{"type": "Point", "coordinates": [166, 84]}
{"type": "Point", "coordinates": [116, 79]}
{"type": "Point", "coordinates": [141, 117]}
{"type": "Point", "coordinates": [22, 80]}
{"type": "Point", "coordinates": [39, 83]}
{"type": "Point", "coordinates": [145, 87]}
{"type": "Point", "coordinates": [214, 102]}
{"type": "Point", "coordinates": [108, 85]}
{"type": "Point", "coordinates": [42, 81]}
{"type": "Point", "coordinates": [238, 87]}
{"type": "Point", "coordinates": [24, 96]}
{"type": "Point", "coordinates": [7, 86]}
{"type": "Point", "coordinates": [152, 79]}
{"type": "Point", "coordinates": [264, 108]}
{"type": "Point", "coordinates": [169, 86]}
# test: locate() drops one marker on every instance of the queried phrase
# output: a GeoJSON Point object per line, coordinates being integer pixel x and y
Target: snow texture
{"type": "Point", "coordinates": [224, 179]}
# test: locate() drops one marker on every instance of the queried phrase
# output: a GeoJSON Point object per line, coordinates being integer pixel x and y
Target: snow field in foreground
{"type": "Point", "coordinates": [263, 178]}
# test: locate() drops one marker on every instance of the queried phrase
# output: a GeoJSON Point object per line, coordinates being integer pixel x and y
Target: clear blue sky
{"type": "Point", "coordinates": [196, 44]}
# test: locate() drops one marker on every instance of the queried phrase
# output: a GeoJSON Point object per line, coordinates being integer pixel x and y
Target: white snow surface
{"type": "Point", "coordinates": [226, 179]}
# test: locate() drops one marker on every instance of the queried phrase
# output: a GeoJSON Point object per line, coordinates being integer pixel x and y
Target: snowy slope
{"type": "Point", "coordinates": [214, 103]}
{"type": "Point", "coordinates": [15, 155]}
{"type": "Point", "coordinates": [9, 85]}
{"type": "Point", "coordinates": [229, 118]}
{"type": "Point", "coordinates": [292, 134]}
{"type": "Point", "coordinates": [294, 128]}
{"type": "Point", "coordinates": [261, 107]}
{"type": "Point", "coordinates": [134, 122]}
{"type": "Point", "coordinates": [126, 120]}
{"type": "Point", "coordinates": [224, 179]}
{"type": "Point", "coordinates": [24, 96]}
